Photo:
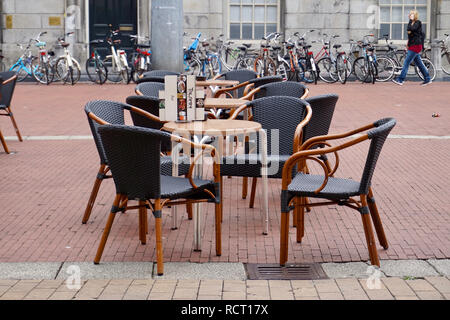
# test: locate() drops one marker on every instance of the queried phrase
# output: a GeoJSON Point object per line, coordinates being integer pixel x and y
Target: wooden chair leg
{"type": "Point", "coordinates": [189, 210]}
{"type": "Point", "coordinates": [253, 192]}
{"type": "Point", "coordinates": [2, 140]}
{"type": "Point", "coordinates": [244, 187]}
{"type": "Point", "coordinates": [222, 199]}
{"type": "Point", "coordinates": [158, 232]}
{"type": "Point", "coordinates": [94, 192]}
{"type": "Point", "coordinates": [368, 231]}
{"type": "Point", "coordinates": [377, 221]}
{"type": "Point", "coordinates": [218, 217]}
{"type": "Point", "coordinates": [308, 209]}
{"type": "Point", "coordinates": [13, 120]}
{"type": "Point", "coordinates": [284, 238]}
{"type": "Point", "coordinates": [142, 223]}
{"type": "Point", "coordinates": [300, 204]}
{"type": "Point", "coordinates": [108, 226]}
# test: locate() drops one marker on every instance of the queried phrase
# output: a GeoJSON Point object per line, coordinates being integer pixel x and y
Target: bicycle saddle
{"type": "Point", "coordinates": [371, 49]}
{"type": "Point", "coordinates": [391, 47]}
{"type": "Point", "coordinates": [337, 46]}
{"type": "Point", "coordinates": [248, 45]}
{"type": "Point", "coordinates": [276, 48]}
{"type": "Point", "coordinates": [117, 41]}
{"type": "Point", "coordinates": [264, 46]}
{"type": "Point", "coordinates": [289, 45]}
{"type": "Point", "coordinates": [243, 48]}
{"type": "Point", "coordinates": [205, 44]}
{"type": "Point", "coordinates": [65, 44]}
{"type": "Point", "coordinates": [97, 41]}
{"type": "Point", "coordinates": [144, 46]}
{"type": "Point", "coordinates": [308, 46]}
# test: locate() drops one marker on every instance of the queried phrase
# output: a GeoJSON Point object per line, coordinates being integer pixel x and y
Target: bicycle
{"type": "Point", "coordinates": [95, 68]}
{"type": "Point", "coordinates": [209, 62]}
{"type": "Point", "coordinates": [445, 54]}
{"type": "Point", "coordinates": [365, 67]}
{"type": "Point", "coordinates": [117, 61]}
{"type": "Point", "coordinates": [234, 58]}
{"type": "Point", "coordinates": [67, 68]}
{"type": "Point", "coordinates": [332, 65]}
{"type": "Point", "coordinates": [140, 60]}
{"type": "Point", "coordinates": [264, 64]}
{"type": "Point", "coordinates": [41, 68]}
{"type": "Point", "coordinates": [306, 59]}
{"type": "Point", "coordinates": [288, 66]}
{"type": "Point", "coordinates": [191, 64]}
{"type": "Point", "coordinates": [22, 67]}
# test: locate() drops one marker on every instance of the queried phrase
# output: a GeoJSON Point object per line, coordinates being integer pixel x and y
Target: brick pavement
{"type": "Point", "coordinates": [46, 184]}
{"type": "Point", "coordinates": [430, 288]}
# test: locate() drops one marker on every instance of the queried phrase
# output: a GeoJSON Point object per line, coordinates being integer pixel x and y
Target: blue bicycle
{"type": "Point", "coordinates": [22, 67]}
{"type": "Point", "coordinates": [191, 63]}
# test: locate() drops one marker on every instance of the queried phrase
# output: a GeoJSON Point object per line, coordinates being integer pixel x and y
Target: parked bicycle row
{"type": "Point", "coordinates": [46, 67]}
{"type": "Point", "coordinates": [294, 59]}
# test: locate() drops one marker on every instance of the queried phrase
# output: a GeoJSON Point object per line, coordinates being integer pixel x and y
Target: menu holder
{"type": "Point", "coordinates": [181, 101]}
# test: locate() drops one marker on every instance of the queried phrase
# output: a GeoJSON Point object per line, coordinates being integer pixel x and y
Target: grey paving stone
{"type": "Point", "coordinates": [442, 266]}
{"type": "Point", "coordinates": [407, 268]}
{"type": "Point", "coordinates": [203, 271]}
{"type": "Point", "coordinates": [107, 270]}
{"type": "Point", "coordinates": [358, 270]}
{"type": "Point", "coordinates": [29, 271]}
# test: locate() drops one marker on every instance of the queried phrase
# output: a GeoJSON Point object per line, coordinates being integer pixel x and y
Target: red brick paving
{"type": "Point", "coordinates": [46, 184]}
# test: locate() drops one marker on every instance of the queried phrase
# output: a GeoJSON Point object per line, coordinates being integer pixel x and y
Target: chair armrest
{"type": "Point", "coordinates": [138, 92]}
{"type": "Point", "coordinates": [225, 90]}
{"type": "Point", "coordinates": [299, 130]}
{"type": "Point", "coordinates": [303, 155]}
{"type": "Point", "coordinates": [251, 94]}
{"type": "Point", "coordinates": [14, 77]}
{"type": "Point", "coordinates": [239, 110]}
{"type": "Point", "coordinates": [306, 94]}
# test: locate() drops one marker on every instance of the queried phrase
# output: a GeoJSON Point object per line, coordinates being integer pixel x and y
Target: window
{"type": "Point", "coordinates": [394, 17]}
{"type": "Point", "coordinates": [252, 19]}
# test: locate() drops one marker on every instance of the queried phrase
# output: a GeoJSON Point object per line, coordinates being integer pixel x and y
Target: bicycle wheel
{"type": "Point", "coordinates": [373, 71]}
{"type": "Point", "coordinates": [40, 71]}
{"type": "Point", "coordinates": [114, 72]}
{"type": "Point", "coordinates": [386, 69]}
{"type": "Point", "coordinates": [193, 67]}
{"type": "Point", "coordinates": [67, 73]}
{"type": "Point", "coordinates": [96, 71]}
{"type": "Point", "coordinates": [327, 69]}
{"type": "Point", "coordinates": [401, 54]}
{"type": "Point", "coordinates": [20, 71]}
{"type": "Point", "coordinates": [361, 69]}
{"type": "Point", "coordinates": [445, 62]}
{"type": "Point", "coordinates": [431, 69]}
{"type": "Point", "coordinates": [216, 64]}
{"type": "Point", "coordinates": [341, 68]}
{"type": "Point", "coordinates": [308, 75]}
{"type": "Point", "coordinates": [264, 66]}
{"type": "Point", "coordinates": [426, 54]}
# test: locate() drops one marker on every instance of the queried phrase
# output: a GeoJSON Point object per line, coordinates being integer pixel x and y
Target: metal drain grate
{"type": "Point", "coordinates": [288, 272]}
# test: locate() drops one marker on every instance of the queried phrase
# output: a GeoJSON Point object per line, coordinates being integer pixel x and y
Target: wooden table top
{"type": "Point", "coordinates": [213, 127]}
{"type": "Point", "coordinates": [223, 103]}
{"type": "Point", "coordinates": [217, 83]}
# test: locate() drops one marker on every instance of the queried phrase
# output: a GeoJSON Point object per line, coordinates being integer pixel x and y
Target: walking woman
{"type": "Point", "coordinates": [415, 46]}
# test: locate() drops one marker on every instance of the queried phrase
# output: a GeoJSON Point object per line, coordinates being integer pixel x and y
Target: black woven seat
{"type": "Point", "coordinates": [135, 162]}
{"type": "Point", "coordinates": [336, 190]}
{"type": "Point", "coordinates": [156, 76]}
{"type": "Point", "coordinates": [251, 165]}
{"type": "Point", "coordinates": [6, 94]}
{"type": "Point", "coordinates": [109, 112]}
{"type": "Point", "coordinates": [149, 89]}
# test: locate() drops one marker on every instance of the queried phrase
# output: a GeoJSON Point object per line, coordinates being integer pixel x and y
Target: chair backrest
{"type": "Point", "coordinates": [285, 88]}
{"type": "Point", "coordinates": [7, 90]}
{"type": "Point", "coordinates": [144, 79]}
{"type": "Point", "coordinates": [378, 136]}
{"type": "Point", "coordinates": [150, 89]}
{"type": "Point", "coordinates": [241, 76]}
{"type": "Point", "coordinates": [109, 111]}
{"type": "Point", "coordinates": [322, 113]}
{"type": "Point", "coordinates": [134, 158]}
{"type": "Point", "coordinates": [151, 105]}
{"type": "Point", "coordinates": [279, 114]}
{"type": "Point", "coordinates": [258, 82]}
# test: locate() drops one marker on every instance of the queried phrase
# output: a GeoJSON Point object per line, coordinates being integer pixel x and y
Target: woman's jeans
{"type": "Point", "coordinates": [412, 56]}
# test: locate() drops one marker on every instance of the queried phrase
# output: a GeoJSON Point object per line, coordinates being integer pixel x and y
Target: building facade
{"type": "Point", "coordinates": [239, 20]}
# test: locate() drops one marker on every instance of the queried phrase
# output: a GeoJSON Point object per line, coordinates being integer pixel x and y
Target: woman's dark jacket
{"type": "Point", "coordinates": [415, 33]}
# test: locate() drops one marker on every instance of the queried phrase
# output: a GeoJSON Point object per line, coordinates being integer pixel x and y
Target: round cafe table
{"type": "Point", "coordinates": [201, 131]}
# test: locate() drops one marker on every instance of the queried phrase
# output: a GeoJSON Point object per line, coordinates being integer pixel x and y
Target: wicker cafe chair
{"type": "Point", "coordinates": [289, 116]}
{"type": "Point", "coordinates": [322, 113]}
{"type": "Point", "coordinates": [243, 76]}
{"type": "Point", "coordinates": [156, 76]}
{"type": "Point", "coordinates": [2, 139]}
{"type": "Point", "coordinates": [103, 112]}
{"type": "Point", "coordinates": [135, 162]}
{"type": "Point", "coordinates": [335, 190]}
{"type": "Point", "coordinates": [7, 91]}
{"type": "Point", "coordinates": [149, 89]}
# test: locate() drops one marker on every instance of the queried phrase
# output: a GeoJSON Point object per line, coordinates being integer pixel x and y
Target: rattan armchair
{"type": "Point", "coordinates": [285, 88]}
{"type": "Point", "coordinates": [7, 91]}
{"type": "Point", "coordinates": [149, 89]}
{"type": "Point", "coordinates": [156, 76]}
{"type": "Point", "coordinates": [103, 112]}
{"type": "Point", "coordinates": [337, 191]}
{"type": "Point", "coordinates": [134, 159]}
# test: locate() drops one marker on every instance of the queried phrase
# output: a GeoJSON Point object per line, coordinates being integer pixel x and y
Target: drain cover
{"type": "Point", "coordinates": [288, 272]}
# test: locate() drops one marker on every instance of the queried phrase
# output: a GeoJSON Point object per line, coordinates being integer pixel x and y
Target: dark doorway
{"type": "Point", "coordinates": [121, 14]}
